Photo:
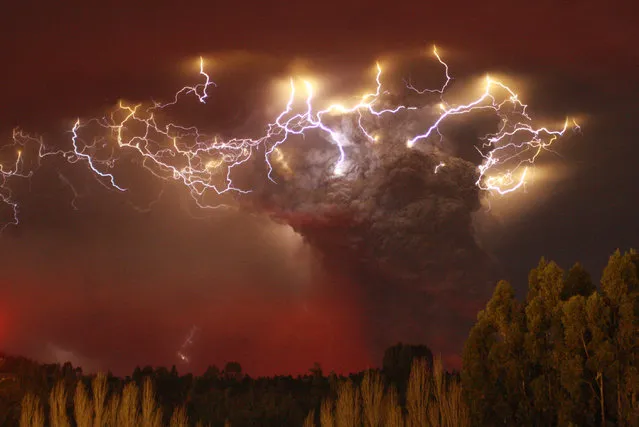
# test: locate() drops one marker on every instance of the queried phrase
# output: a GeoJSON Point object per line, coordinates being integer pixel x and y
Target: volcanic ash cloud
{"type": "Point", "coordinates": [396, 223]}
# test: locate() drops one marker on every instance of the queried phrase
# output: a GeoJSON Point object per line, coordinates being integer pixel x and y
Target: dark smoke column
{"type": "Point", "coordinates": [400, 230]}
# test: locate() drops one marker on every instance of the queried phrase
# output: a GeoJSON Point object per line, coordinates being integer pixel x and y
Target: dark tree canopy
{"type": "Point", "coordinates": [398, 360]}
{"type": "Point", "coordinates": [578, 282]}
{"type": "Point", "coordinates": [568, 356]}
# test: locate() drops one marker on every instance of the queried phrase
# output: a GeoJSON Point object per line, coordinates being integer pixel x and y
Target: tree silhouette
{"type": "Point", "coordinates": [398, 361]}
{"type": "Point", "coordinates": [233, 370]}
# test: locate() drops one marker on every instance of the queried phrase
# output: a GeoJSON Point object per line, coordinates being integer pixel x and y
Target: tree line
{"type": "Point", "coordinates": [567, 355]}
{"type": "Point", "coordinates": [61, 395]}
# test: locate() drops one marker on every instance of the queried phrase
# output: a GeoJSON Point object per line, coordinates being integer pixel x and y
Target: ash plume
{"type": "Point", "coordinates": [382, 188]}
{"type": "Point", "coordinates": [400, 227]}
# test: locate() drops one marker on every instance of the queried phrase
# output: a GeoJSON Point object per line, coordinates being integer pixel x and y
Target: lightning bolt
{"type": "Point", "coordinates": [204, 163]}
{"type": "Point", "coordinates": [20, 141]}
{"type": "Point", "coordinates": [439, 166]}
{"type": "Point", "coordinates": [67, 182]}
{"type": "Point", "coordinates": [188, 342]}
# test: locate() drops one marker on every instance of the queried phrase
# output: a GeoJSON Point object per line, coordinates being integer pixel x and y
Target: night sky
{"type": "Point", "coordinates": [110, 287]}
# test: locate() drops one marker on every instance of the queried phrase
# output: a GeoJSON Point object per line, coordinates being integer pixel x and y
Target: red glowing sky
{"type": "Point", "coordinates": [120, 289]}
